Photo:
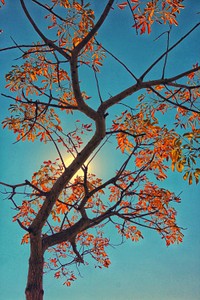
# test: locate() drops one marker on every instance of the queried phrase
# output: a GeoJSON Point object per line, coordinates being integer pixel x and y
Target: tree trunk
{"type": "Point", "coordinates": [34, 288]}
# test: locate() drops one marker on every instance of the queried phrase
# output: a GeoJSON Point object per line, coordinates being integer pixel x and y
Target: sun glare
{"type": "Point", "coordinates": [80, 172]}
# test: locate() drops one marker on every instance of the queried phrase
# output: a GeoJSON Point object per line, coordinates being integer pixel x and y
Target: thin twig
{"type": "Point", "coordinates": [167, 51]}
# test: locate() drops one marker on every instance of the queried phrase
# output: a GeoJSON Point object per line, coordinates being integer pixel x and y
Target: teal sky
{"type": "Point", "coordinates": [146, 270]}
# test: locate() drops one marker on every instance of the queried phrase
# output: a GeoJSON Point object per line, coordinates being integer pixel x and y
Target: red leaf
{"type": "Point", "coordinates": [134, 7]}
{"type": "Point", "coordinates": [122, 5]}
{"type": "Point", "coordinates": [57, 275]}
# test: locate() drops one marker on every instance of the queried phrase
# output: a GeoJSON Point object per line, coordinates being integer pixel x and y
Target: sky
{"type": "Point", "coordinates": [147, 270]}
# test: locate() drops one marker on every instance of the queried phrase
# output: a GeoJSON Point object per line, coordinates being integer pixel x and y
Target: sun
{"type": "Point", "coordinates": [68, 160]}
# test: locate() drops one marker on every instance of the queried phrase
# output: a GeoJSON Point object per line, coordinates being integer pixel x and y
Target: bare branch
{"type": "Point", "coordinates": [22, 46]}
{"type": "Point", "coordinates": [98, 87]}
{"type": "Point", "coordinates": [67, 106]}
{"type": "Point", "coordinates": [49, 10]}
{"type": "Point", "coordinates": [14, 186]}
{"type": "Point", "coordinates": [79, 257]}
{"type": "Point", "coordinates": [125, 132]}
{"type": "Point", "coordinates": [118, 60]}
{"type": "Point", "coordinates": [168, 50]}
{"type": "Point", "coordinates": [166, 56]}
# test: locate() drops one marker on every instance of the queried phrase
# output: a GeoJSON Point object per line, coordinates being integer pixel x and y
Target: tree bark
{"type": "Point", "coordinates": [34, 288]}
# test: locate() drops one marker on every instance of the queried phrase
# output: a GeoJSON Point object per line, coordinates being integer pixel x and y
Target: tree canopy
{"type": "Point", "coordinates": [59, 96]}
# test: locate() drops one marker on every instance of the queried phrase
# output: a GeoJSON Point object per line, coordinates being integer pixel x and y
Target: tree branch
{"type": "Point", "coordinates": [168, 50]}
{"type": "Point", "coordinates": [44, 38]}
{"type": "Point", "coordinates": [69, 172]}
{"type": "Point", "coordinates": [82, 106]}
{"type": "Point", "coordinates": [65, 235]}
{"type": "Point", "coordinates": [96, 27]}
{"type": "Point", "coordinates": [141, 85]}
{"type": "Point", "coordinates": [118, 60]}
{"type": "Point", "coordinates": [173, 103]}
{"type": "Point", "coordinates": [22, 46]}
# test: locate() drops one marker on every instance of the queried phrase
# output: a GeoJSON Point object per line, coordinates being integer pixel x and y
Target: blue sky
{"type": "Point", "coordinates": [147, 270]}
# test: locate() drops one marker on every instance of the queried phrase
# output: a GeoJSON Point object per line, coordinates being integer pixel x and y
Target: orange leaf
{"type": "Point", "coordinates": [191, 75]}
{"type": "Point", "coordinates": [67, 283]}
{"type": "Point", "coordinates": [159, 87]}
{"type": "Point", "coordinates": [25, 239]}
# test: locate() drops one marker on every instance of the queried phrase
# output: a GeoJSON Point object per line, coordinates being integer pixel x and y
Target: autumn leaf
{"type": "Point", "coordinates": [61, 208]}
{"type": "Point", "coordinates": [159, 87]}
{"type": "Point", "coordinates": [190, 178]}
{"type": "Point", "coordinates": [57, 275]}
{"type": "Point", "coordinates": [25, 239]}
{"type": "Point", "coordinates": [196, 175]}
{"type": "Point", "coordinates": [185, 176]}
{"type": "Point", "coordinates": [67, 283]}
{"type": "Point", "coordinates": [180, 166]}
{"type": "Point", "coordinates": [122, 5]}
{"type": "Point", "coordinates": [54, 262]}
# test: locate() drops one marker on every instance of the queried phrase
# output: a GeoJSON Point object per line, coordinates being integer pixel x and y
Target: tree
{"type": "Point", "coordinates": [63, 212]}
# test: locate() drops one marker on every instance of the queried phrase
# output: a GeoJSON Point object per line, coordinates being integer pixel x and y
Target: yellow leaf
{"type": "Point", "coordinates": [185, 176]}
{"type": "Point", "coordinates": [173, 166]}
{"type": "Point", "coordinates": [76, 41]}
{"type": "Point", "coordinates": [177, 143]}
{"type": "Point", "coordinates": [197, 171]}
{"type": "Point", "coordinates": [190, 178]}
{"type": "Point", "coordinates": [189, 135]}
{"type": "Point", "coordinates": [175, 154]}
{"type": "Point", "coordinates": [180, 166]}
{"type": "Point", "coordinates": [196, 175]}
